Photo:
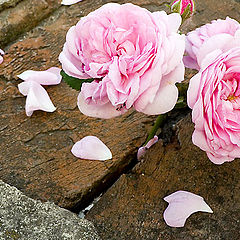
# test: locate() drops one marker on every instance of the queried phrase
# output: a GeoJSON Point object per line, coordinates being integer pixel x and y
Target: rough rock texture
{"type": "Point", "coordinates": [24, 218]}
{"type": "Point", "coordinates": [23, 17]}
{"type": "Point", "coordinates": [133, 207]}
{"type": "Point", "coordinates": [8, 3]}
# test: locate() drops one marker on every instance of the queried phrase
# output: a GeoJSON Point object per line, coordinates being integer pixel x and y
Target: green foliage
{"type": "Point", "coordinates": [73, 82]}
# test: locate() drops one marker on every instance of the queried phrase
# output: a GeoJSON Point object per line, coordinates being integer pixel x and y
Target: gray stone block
{"type": "Point", "coordinates": [22, 218]}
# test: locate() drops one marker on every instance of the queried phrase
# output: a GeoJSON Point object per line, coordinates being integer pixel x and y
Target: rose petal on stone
{"type": "Point", "coordinates": [142, 150]}
{"type": "Point", "coordinates": [92, 148]}
{"type": "Point", "coordinates": [1, 53]}
{"type": "Point", "coordinates": [48, 77]}
{"type": "Point", "coordinates": [181, 205]}
{"type": "Point", "coordinates": [69, 2]}
{"type": "Point", "coordinates": [37, 97]}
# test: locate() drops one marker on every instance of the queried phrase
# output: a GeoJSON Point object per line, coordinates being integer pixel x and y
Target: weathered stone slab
{"type": "Point", "coordinates": [8, 3]}
{"type": "Point", "coordinates": [23, 218]}
{"type": "Point", "coordinates": [133, 208]}
{"type": "Point", "coordinates": [23, 17]}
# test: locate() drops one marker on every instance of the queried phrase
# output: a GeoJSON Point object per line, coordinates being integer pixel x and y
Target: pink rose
{"type": "Point", "coordinates": [135, 57]}
{"type": "Point", "coordinates": [214, 96]}
{"type": "Point", "coordinates": [196, 39]}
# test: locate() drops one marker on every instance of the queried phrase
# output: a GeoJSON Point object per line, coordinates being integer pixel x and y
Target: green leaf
{"type": "Point", "coordinates": [73, 82]}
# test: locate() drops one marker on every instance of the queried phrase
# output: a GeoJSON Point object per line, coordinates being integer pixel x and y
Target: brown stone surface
{"type": "Point", "coordinates": [23, 17]}
{"type": "Point", "coordinates": [133, 208]}
{"type": "Point", "coordinates": [8, 3]}
{"type": "Point", "coordinates": [35, 154]}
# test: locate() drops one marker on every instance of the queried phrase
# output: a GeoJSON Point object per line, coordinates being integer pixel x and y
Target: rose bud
{"type": "Point", "coordinates": [184, 7]}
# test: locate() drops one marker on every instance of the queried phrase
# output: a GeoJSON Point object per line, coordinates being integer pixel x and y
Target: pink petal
{"type": "Point", "coordinates": [69, 2]}
{"type": "Point", "coordinates": [106, 110]}
{"type": "Point", "coordinates": [164, 100]}
{"type": "Point", "coordinates": [174, 20]}
{"type": "Point", "coordinates": [152, 141]}
{"type": "Point", "coordinates": [49, 77]}
{"type": "Point", "coordinates": [1, 53]}
{"type": "Point", "coordinates": [91, 148]}
{"type": "Point", "coordinates": [193, 89]}
{"type": "Point", "coordinates": [181, 205]}
{"type": "Point", "coordinates": [142, 150]}
{"type": "Point", "coordinates": [37, 97]}
{"type": "Point", "coordinates": [216, 42]}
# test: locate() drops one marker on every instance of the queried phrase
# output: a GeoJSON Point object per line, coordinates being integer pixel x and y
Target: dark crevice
{"type": "Point", "coordinates": [168, 131]}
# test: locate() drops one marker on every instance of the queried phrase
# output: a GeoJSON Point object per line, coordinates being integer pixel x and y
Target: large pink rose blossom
{"type": "Point", "coordinates": [135, 57]}
{"type": "Point", "coordinates": [195, 40]}
{"type": "Point", "coordinates": [214, 96]}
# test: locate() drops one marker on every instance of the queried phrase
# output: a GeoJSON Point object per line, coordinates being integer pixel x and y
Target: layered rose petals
{"type": "Point", "coordinates": [92, 148]}
{"type": "Point", "coordinates": [214, 96]}
{"type": "Point", "coordinates": [135, 57]}
{"type": "Point", "coordinates": [37, 96]}
{"type": "Point", "coordinates": [196, 39]}
{"type": "Point", "coordinates": [181, 205]}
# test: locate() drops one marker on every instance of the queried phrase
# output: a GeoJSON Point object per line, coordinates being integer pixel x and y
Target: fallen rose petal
{"type": "Point", "coordinates": [48, 77]}
{"type": "Point", "coordinates": [142, 150]}
{"type": "Point", "coordinates": [92, 148]}
{"type": "Point", "coordinates": [1, 53]}
{"type": "Point", "coordinates": [181, 205]}
{"type": "Point", "coordinates": [37, 97]}
{"type": "Point", "coordinates": [69, 2]}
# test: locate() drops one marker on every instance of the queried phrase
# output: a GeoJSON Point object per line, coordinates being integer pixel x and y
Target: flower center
{"type": "Point", "coordinates": [231, 98]}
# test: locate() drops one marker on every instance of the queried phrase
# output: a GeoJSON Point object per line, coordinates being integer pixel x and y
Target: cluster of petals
{"type": "Point", "coordinates": [37, 96]}
{"type": "Point", "coordinates": [1, 55]}
{"type": "Point", "coordinates": [181, 205]}
{"type": "Point", "coordinates": [214, 92]}
{"type": "Point", "coordinates": [133, 55]}
{"type": "Point", "coordinates": [70, 2]}
{"type": "Point", "coordinates": [92, 148]}
{"type": "Point", "coordinates": [197, 39]}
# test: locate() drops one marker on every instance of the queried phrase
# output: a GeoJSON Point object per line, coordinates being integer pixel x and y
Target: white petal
{"type": "Point", "coordinates": [48, 77]}
{"type": "Point", "coordinates": [142, 150]}
{"type": "Point", "coordinates": [92, 148]}
{"type": "Point", "coordinates": [164, 100]}
{"type": "Point", "coordinates": [1, 53]}
{"type": "Point", "coordinates": [106, 110]}
{"type": "Point", "coordinates": [181, 205]}
{"type": "Point", "coordinates": [37, 97]}
{"type": "Point", "coordinates": [69, 2]}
